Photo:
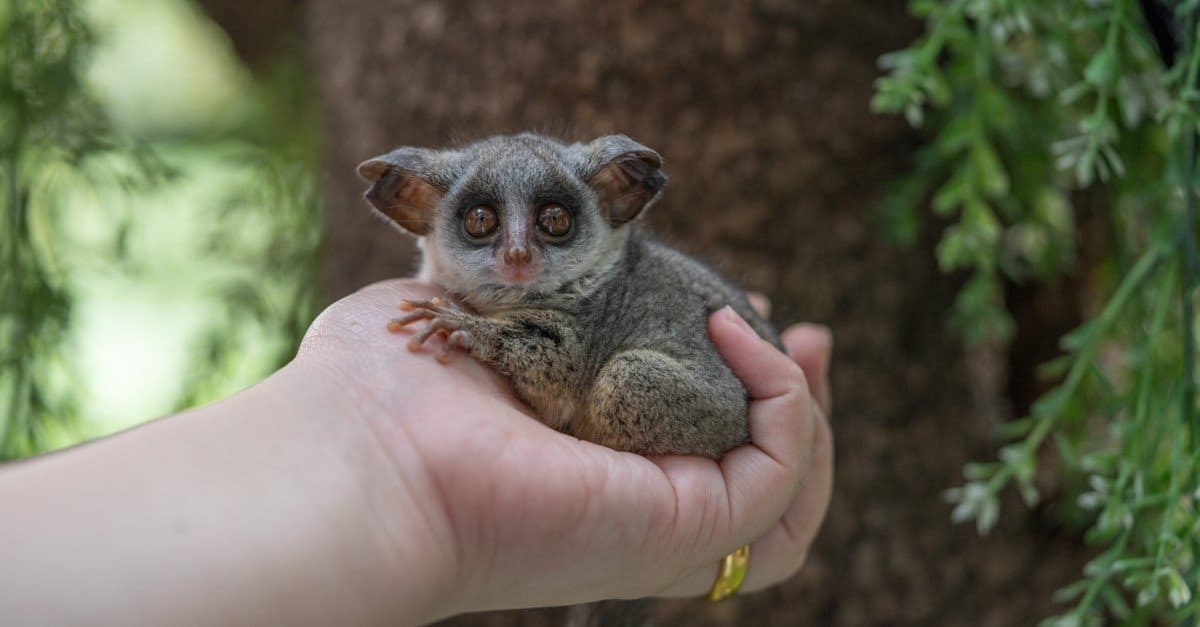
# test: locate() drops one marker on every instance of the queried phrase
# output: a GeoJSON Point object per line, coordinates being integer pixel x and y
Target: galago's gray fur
{"type": "Point", "coordinates": [602, 331]}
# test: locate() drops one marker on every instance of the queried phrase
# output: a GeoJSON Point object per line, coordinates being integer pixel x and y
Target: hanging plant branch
{"type": "Point", "coordinates": [1024, 102]}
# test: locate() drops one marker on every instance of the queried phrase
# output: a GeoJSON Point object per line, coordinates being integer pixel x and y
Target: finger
{"type": "Point", "coordinates": [731, 503]}
{"type": "Point", "coordinates": [762, 478]}
{"type": "Point", "coordinates": [811, 346]}
{"type": "Point", "coordinates": [760, 303]}
{"type": "Point", "coordinates": [779, 414]}
{"type": "Point", "coordinates": [781, 551]}
{"type": "Point", "coordinates": [764, 371]}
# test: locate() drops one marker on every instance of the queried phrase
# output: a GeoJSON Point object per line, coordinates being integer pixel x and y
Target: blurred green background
{"type": "Point", "coordinates": [162, 222]}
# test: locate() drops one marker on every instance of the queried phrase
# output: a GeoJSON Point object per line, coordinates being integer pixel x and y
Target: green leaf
{"type": "Point", "coordinates": [914, 114]}
{"type": "Point", "coordinates": [1080, 337]}
{"type": "Point", "coordinates": [1071, 592]}
{"type": "Point", "coordinates": [950, 195]}
{"type": "Point", "coordinates": [1115, 602]}
{"type": "Point", "coordinates": [984, 227]}
{"type": "Point", "coordinates": [955, 136]}
{"type": "Point", "coordinates": [1051, 404]}
{"type": "Point", "coordinates": [979, 472]}
{"type": "Point", "coordinates": [1014, 429]}
{"type": "Point", "coordinates": [992, 177]}
{"type": "Point", "coordinates": [1148, 594]}
{"type": "Point", "coordinates": [1102, 71]}
{"type": "Point", "coordinates": [1178, 593]}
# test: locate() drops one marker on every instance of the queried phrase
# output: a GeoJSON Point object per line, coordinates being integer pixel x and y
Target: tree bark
{"type": "Point", "coordinates": [260, 31]}
{"type": "Point", "coordinates": [776, 166]}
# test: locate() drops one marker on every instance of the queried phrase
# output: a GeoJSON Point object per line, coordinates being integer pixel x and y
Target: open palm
{"type": "Point", "coordinates": [531, 517]}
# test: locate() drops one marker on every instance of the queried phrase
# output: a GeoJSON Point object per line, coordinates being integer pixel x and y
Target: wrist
{"type": "Point", "coordinates": [395, 538]}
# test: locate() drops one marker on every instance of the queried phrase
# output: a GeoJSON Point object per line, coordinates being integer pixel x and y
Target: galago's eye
{"type": "Point", "coordinates": [554, 220]}
{"type": "Point", "coordinates": [480, 221]}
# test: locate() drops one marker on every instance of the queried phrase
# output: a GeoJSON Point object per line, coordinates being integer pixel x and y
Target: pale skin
{"type": "Point", "coordinates": [365, 483]}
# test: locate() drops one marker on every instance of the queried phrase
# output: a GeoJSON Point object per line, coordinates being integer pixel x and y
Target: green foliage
{"type": "Point", "coordinates": [220, 213]}
{"type": "Point", "coordinates": [44, 118]}
{"type": "Point", "coordinates": [274, 301]}
{"type": "Point", "coordinates": [1025, 103]}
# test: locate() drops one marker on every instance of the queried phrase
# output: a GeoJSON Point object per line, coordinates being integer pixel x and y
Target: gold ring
{"type": "Point", "coordinates": [733, 571]}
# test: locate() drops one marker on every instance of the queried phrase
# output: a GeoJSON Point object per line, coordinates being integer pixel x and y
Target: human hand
{"type": "Point", "coordinates": [492, 509]}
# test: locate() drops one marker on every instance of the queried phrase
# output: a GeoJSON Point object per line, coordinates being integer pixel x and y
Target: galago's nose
{"type": "Point", "coordinates": [517, 255]}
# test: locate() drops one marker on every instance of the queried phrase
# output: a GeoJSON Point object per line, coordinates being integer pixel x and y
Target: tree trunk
{"type": "Point", "coordinates": [776, 166]}
{"type": "Point", "coordinates": [260, 31]}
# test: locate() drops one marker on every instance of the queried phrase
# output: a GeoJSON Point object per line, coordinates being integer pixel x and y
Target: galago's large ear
{"type": "Point", "coordinates": [626, 176]}
{"type": "Point", "coordinates": [403, 188]}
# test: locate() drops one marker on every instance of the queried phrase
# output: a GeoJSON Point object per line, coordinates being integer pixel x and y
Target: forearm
{"type": "Point", "coordinates": [248, 511]}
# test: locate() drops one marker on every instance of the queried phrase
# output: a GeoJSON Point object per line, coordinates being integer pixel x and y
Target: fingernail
{"type": "Point", "coordinates": [732, 316]}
